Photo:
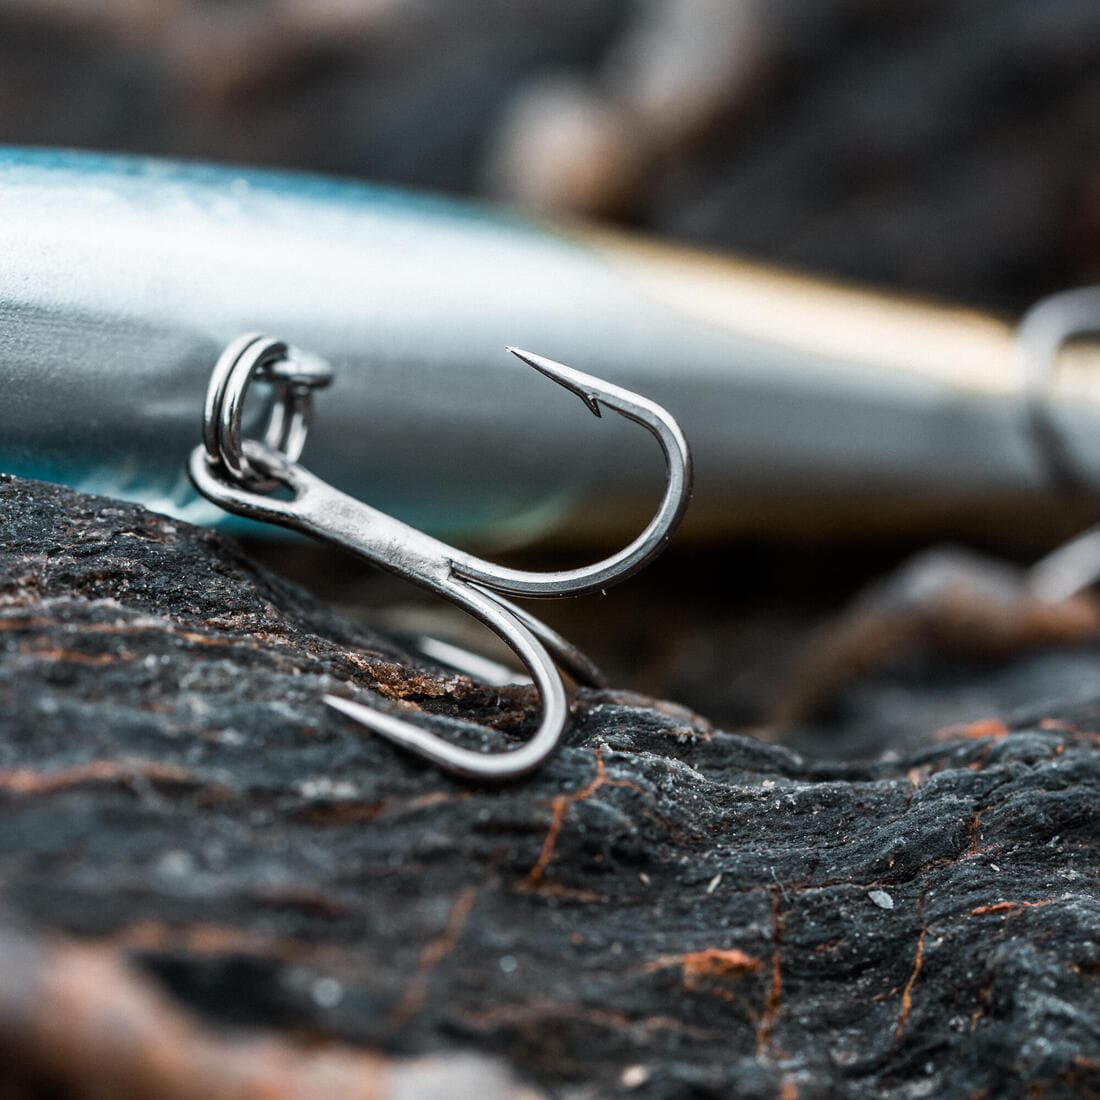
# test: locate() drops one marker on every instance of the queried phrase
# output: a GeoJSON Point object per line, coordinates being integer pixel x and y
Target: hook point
{"type": "Point", "coordinates": [566, 377]}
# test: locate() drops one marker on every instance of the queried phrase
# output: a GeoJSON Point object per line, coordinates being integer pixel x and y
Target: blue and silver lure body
{"type": "Point", "coordinates": [122, 278]}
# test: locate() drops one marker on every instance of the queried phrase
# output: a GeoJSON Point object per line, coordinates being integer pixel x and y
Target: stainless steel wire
{"type": "Point", "coordinates": [240, 475]}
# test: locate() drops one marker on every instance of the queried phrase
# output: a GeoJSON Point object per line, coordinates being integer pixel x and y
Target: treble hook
{"type": "Point", "coordinates": [239, 475]}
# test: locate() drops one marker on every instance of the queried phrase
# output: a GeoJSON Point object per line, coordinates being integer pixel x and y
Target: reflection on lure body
{"type": "Point", "coordinates": [122, 278]}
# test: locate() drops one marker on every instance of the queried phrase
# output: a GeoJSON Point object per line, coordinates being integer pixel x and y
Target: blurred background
{"type": "Point", "coordinates": [943, 146]}
{"type": "Point", "coordinates": [948, 148]}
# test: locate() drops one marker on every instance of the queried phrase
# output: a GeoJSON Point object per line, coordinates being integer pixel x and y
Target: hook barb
{"type": "Point", "coordinates": [573, 380]}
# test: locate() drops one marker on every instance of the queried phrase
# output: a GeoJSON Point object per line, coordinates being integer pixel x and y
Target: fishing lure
{"type": "Point", "coordinates": [810, 406]}
{"type": "Point", "coordinates": [242, 475]}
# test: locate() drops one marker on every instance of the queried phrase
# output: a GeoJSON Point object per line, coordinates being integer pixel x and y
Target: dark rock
{"type": "Point", "coordinates": [664, 910]}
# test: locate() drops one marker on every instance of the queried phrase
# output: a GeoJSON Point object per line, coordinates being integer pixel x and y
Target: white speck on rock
{"type": "Point", "coordinates": [882, 899]}
{"type": "Point", "coordinates": [322, 787]}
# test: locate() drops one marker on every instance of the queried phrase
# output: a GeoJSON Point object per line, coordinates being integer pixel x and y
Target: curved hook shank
{"type": "Point", "coordinates": [1042, 332]}
{"type": "Point", "coordinates": [468, 762]}
{"type": "Point", "coordinates": [657, 420]}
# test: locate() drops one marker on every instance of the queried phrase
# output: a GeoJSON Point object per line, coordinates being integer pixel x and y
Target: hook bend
{"type": "Point", "coordinates": [659, 422]}
{"type": "Point", "coordinates": [470, 763]}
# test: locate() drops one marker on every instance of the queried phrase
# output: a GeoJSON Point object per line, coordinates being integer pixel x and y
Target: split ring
{"type": "Point", "coordinates": [292, 375]}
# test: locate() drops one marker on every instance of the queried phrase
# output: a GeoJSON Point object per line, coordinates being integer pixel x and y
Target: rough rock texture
{"type": "Point", "coordinates": [193, 850]}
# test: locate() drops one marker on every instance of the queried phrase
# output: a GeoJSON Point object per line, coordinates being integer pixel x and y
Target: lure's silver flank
{"type": "Point", "coordinates": [810, 406]}
{"type": "Point", "coordinates": [238, 474]}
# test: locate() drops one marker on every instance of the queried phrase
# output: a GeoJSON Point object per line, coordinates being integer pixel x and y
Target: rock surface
{"type": "Point", "coordinates": [219, 884]}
